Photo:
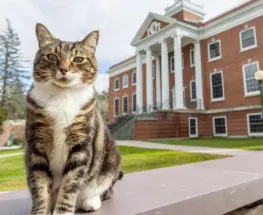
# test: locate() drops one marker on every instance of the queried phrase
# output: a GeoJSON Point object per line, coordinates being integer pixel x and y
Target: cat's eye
{"type": "Point", "coordinates": [78, 59]}
{"type": "Point", "coordinates": [52, 57]}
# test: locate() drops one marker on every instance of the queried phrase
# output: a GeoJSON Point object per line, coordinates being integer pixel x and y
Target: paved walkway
{"type": "Point", "coordinates": [195, 149]}
{"type": "Point", "coordinates": [9, 148]}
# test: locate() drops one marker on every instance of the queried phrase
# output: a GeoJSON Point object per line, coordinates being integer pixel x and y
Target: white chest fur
{"type": "Point", "coordinates": [63, 106]}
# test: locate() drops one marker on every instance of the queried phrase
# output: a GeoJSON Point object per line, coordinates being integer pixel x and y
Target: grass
{"type": "Point", "coordinates": [247, 144]}
{"type": "Point", "coordinates": [10, 151]}
{"type": "Point", "coordinates": [12, 174]}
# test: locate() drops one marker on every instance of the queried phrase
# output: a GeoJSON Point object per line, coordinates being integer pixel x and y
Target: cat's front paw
{"type": "Point", "coordinates": [92, 204]}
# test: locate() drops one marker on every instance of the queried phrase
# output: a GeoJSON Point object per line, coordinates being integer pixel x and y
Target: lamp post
{"type": "Point", "coordinates": [259, 78]}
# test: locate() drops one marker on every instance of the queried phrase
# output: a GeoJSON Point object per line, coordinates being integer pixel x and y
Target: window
{"type": "Point", "coordinates": [248, 39]}
{"type": "Point", "coordinates": [134, 78]}
{"type": "Point", "coordinates": [193, 127]}
{"type": "Point", "coordinates": [125, 105]}
{"type": "Point", "coordinates": [125, 81]}
{"type": "Point", "coordinates": [214, 50]}
{"type": "Point", "coordinates": [182, 61]}
{"type": "Point", "coordinates": [134, 105]}
{"type": "Point", "coordinates": [255, 124]}
{"type": "Point", "coordinates": [172, 64]}
{"type": "Point", "coordinates": [217, 86]}
{"type": "Point", "coordinates": [251, 85]}
{"type": "Point", "coordinates": [116, 107]}
{"type": "Point", "coordinates": [193, 90]}
{"type": "Point", "coordinates": [153, 71]}
{"type": "Point", "coordinates": [116, 84]}
{"type": "Point", "coordinates": [192, 57]}
{"type": "Point", "coordinates": [220, 126]}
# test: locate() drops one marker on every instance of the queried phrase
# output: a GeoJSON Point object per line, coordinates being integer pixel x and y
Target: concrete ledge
{"type": "Point", "coordinates": [206, 188]}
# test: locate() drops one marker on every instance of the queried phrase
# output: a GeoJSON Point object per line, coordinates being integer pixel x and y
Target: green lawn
{"type": "Point", "coordinates": [10, 151]}
{"type": "Point", "coordinates": [248, 144]}
{"type": "Point", "coordinates": [12, 174]}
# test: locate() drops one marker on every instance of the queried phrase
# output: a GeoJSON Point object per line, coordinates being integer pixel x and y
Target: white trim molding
{"type": "Point", "coordinates": [125, 96]}
{"type": "Point", "coordinates": [246, 93]}
{"type": "Point", "coordinates": [252, 134]}
{"type": "Point", "coordinates": [196, 127]}
{"type": "Point", "coordinates": [211, 87]}
{"type": "Point", "coordinates": [116, 89]}
{"type": "Point", "coordinates": [125, 81]}
{"type": "Point", "coordinates": [191, 91]}
{"type": "Point", "coordinates": [214, 126]}
{"type": "Point", "coordinates": [171, 59]}
{"type": "Point", "coordinates": [114, 112]}
{"type": "Point", "coordinates": [241, 41]}
{"type": "Point", "coordinates": [220, 50]}
{"type": "Point", "coordinates": [134, 84]}
{"type": "Point", "coordinates": [192, 57]}
{"type": "Point", "coordinates": [133, 103]}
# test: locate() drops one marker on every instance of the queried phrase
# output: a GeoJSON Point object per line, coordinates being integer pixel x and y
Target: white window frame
{"type": "Point", "coordinates": [256, 93]}
{"type": "Point", "coordinates": [153, 71]}
{"type": "Point", "coordinates": [196, 126]}
{"type": "Point", "coordinates": [125, 113]}
{"type": "Point", "coordinates": [211, 87]}
{"type": "Point", "coordinates": [220, 50]}
{"type": "Point", "coordinates": [248, 126]}
{"type": "Point", "coordinates": [124, 86]}
{"type": "Point", "coordinates": [134, 84]}
{"type": "Point", "coordinates": [116, 89]}
{"type": "Point", "coordinates": [115, 107]}
{"type": "Point", "coordinates": [192, 64]}
{"type": "Point", "coordinates": [171, 61]}
{"type": "Point", "coordinates": [191, 92]}
{"type": "Point", "coordinates": [250, 47]}
{"type": "Point", "coordinates": [214, 128]}
{"type": "Point", "coordinates": [133, 103]}
{"type": "Point", "coordinates": [182, 61]}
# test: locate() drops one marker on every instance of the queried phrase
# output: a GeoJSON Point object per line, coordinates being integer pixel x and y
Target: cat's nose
{"type": "Point", "coordinates": [63, 70]}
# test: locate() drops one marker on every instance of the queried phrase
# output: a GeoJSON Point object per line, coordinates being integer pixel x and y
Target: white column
{"type": "Point", "coordinates": [165, 77]}
{"type": "Point", "coordinates": [149, 80]}
{"type": "Point", "coordinates": [139, 88]}
{"type": "Point", "coordinates": [198, 76]}
{"type": "Point", "coordinates": [158, 80]}
{"type": "Point", "coordinates": [179, 94]}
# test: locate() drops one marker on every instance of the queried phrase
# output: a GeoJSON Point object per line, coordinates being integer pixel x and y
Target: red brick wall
{"type": "Point", "coordinates": [177, 125]}
{"type": "Point", "coordinates": [231, 65]}
{"type": "Point", "coordinates": [120, 93]}
{"type": "Point", "coordinates": [182, 15]}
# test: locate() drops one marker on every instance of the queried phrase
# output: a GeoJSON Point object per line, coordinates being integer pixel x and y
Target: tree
{"type": "Point", "coordinates": [13, 74]}
{"type": "Point", "coordinates": [103, 98]}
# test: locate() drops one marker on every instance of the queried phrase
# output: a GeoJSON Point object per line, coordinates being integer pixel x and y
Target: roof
{"type": "Point", "coordinates": [171, 20]}
{"type": "Point", "coordinates": [124, 61]}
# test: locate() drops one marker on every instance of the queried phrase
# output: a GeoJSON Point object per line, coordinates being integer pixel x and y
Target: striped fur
{"type": "Point", "coordinates": [72, 162]}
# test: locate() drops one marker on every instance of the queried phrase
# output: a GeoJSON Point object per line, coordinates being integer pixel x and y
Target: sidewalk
{"type": "Point", "coordinates": [194, 149]}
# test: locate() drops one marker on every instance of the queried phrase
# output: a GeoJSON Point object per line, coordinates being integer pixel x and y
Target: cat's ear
{"type": "Point", "coordinates": [91, 41]}
{"type": "Point", "coordinates": [44, 37]}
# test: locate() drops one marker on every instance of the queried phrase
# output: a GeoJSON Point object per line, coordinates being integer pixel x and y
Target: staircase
{"type": "Point", "coordinates": [123, 128]}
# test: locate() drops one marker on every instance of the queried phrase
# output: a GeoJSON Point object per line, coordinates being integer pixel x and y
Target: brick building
{"type": "Point", "coordinates": [194, 78]}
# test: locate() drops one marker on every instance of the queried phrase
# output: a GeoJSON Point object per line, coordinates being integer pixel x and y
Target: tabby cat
{"type": "Point", "coordinates": [72, 162]}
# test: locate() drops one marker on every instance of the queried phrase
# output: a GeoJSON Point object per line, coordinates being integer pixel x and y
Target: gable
{"type": "Point", "coordinates": [151, 25]}
{"type": "Point", "coordinates": [154, 27]}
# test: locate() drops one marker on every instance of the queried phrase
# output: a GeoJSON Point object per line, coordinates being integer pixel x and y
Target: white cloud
{"type": "Point", "coordinates": [102, 82]}
{"type": "Point", "coordinates": [117, 20]}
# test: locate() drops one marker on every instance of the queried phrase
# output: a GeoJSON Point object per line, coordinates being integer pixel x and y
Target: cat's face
{"type": "Point", "coordinates": [65, 64]}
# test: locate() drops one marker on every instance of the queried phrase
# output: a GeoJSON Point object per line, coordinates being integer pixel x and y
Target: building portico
{"type": "Point", "coordinates": [159, 52]}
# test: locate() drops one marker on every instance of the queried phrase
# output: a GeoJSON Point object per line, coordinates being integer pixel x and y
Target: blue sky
{"type": "Point", "coordinates": [117, 21]}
